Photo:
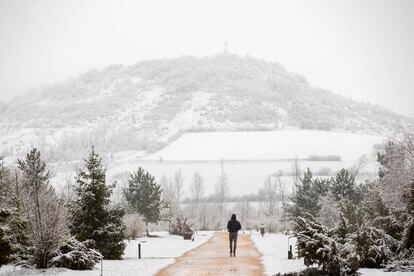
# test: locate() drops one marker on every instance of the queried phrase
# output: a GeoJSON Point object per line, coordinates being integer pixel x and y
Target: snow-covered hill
{"type": "Point", "coordinates": [145, 106]}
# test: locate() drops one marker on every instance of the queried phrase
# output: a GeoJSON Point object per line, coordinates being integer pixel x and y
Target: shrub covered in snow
{"type": "Point", "coordinates": [376, 219]}
{"type": "Point", "coordinates": [402, 262]}
{"type": "Point", "coordinates": [317, 245]}
{"type": "Point", "coordinates": [76, 255]}
{"type": "Point", "coordinates": [373, 246]}
{"type": "Point", "coordinates": [343, 249]}
{"type": "Point", "coordinates": [134, 225]}
{"type": "Point", "coordinates": [306, 272]}
{"type": "Point", "coordinates": [180, 226]}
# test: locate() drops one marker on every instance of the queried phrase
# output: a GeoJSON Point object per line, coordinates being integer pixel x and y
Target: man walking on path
{"type": "Point", "coordinates": [233, 226]}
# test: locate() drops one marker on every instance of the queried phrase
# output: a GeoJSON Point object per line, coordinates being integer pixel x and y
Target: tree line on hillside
{"type": "Point", "coordinates": [341, 225]}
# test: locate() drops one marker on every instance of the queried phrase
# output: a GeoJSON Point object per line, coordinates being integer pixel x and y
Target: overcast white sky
{"type": "Point", "coordinates": [358, 48]}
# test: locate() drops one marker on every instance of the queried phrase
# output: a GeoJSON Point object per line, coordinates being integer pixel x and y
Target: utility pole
{"type": "Point", "coordinates": [222, 167]}
{"type": "Point", "coordinates": [225, 47]}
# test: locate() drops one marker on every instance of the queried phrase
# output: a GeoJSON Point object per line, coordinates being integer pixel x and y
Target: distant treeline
{"type": "Point", "coordinates": [332, 157]}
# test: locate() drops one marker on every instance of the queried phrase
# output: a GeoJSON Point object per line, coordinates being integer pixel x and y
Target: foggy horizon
{"type": "Point", "coordinates": [360, 50]}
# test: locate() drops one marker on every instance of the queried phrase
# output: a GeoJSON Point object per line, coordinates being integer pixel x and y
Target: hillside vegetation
{"type": "Point", "coordinates": [145, 106]}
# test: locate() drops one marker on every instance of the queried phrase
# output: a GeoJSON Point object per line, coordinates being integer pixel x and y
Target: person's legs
{"type": "Point", "coordinates": [231, 242]}
{"type": "Point", "coordinates": [234, 244]}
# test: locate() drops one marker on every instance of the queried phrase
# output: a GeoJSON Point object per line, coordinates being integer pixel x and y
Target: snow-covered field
{"type": "Point", "coordinates": [274, 250]}
{"type": "Point", "coordinates": [156, 253]}
{"type": "Point", "coordinates": [266, 145]}
{"type": "Point", "coordinates": [244, 177]}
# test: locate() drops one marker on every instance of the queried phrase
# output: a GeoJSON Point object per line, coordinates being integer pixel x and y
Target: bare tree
{"type": "Point", "coordinates": [134, 225]}
{"type": "Point", "coordinates": [221, 192]}
{"type": "Point", "coordinates": [178, 183]}
{"type": "Point", "coordinates": [66, 191]}
{"type": "Point", "coordinates": [44, 211]}
{"type": "Point", "coordinates": [361, 164]}
{"type": "Point", "coordinates": [244, 208]}
{"type": "Point", "coordinates": [197, 192]}
{"type": "Point", "coordinates": [197, 187]}
{"type": "Point", "coordinates": [281, 186]}
{"type": "Point", "coordinates": [203, 215]}
{"type": "Point", "coordinates": [295, 174]}
{"type": "Point", "coordinates": [169, 199]}
{"type": "Point", "coordinates": [407, 144]}
{"type": "Point", "coordinates": [397, 170]}
{"type": "Point", "coordinates": [282, 189]}
{"type": "Point", "coordinates": [270, 195]}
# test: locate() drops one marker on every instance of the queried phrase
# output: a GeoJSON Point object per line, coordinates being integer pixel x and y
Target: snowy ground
{"type": "Point", "coordinates": [266, 145]}
{"type": "Point", "coordinates": [274, 250]}
{"type": "Point", "coordinates": [161, 251]}
{"type": "Point", "coordinates": [156, 253]}
{"type": "Point", "coordinates": [375, 272]}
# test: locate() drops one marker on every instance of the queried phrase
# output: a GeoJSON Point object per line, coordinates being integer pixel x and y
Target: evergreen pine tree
{"type": "Point", "coordinates": [317, 246]}
{"type": "Point", "coordinates": [17, 233]}
{"type": "Point", "coordinates": [5, 245]}
{"type": "Point", "coordinates": [351, 215]}
{"type": "Point", "coordinates": [306, 198]}
{"type": "Point", "coordinates": [14, 229]}
{"type": "Point", "coordinates": [313, 241]}
{"type": "Point", "coordinates": [343, 186]}
{"type": "Point", "coordinates": [408, 235]}
{"type": "Point", "coordinates": [90, 214]}
{"type": "Point", "coordinates": [144, 196]}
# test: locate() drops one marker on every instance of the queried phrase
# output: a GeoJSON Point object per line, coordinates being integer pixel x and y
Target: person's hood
{"type": "Point", "coordinates": [233, 217]}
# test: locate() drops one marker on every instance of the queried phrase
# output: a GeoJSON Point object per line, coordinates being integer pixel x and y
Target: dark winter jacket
{"type": "Point", "coordinates": [233, 225]}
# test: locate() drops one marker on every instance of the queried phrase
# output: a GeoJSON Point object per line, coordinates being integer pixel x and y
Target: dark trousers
{"type": "Point", "coordinates": [233, 241]}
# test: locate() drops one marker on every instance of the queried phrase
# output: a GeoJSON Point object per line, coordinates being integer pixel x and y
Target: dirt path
{"type": "Point", "coordinates": [212, 258]}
